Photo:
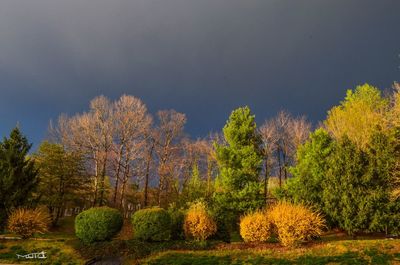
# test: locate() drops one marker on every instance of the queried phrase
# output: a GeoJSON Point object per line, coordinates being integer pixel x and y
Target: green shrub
{"type": "Point", "coordinates": [177, 220]}
{"type": "Point", "coordinates": [223, 233]}
{"type": "Point", "coordinates": [3, 220]}
{"type": "Point", "coordinates": [98, 224]}
{"type": "Point", "coordinates": [153, 224]}
{"type": "Point", "coordinates": [224, 226]}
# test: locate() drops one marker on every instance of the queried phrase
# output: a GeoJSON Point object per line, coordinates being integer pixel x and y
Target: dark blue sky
{"type": "Point", "coordinates": [201, 57]}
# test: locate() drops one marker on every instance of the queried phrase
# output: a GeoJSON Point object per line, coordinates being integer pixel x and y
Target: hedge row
{"type": "Point", "coordinates": [152, 224]}
{"type": "Point", "coordinates": [290, 223]}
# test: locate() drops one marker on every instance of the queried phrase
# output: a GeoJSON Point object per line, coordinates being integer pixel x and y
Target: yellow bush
{"type": "Point", "coordinates": [255, 227]}
{"type": "Point", "coordinates": [295, 223]}
{"type": "Point", "coordinates": [26, 222]}
{"type": "Point", "coordinates": [198, 223]}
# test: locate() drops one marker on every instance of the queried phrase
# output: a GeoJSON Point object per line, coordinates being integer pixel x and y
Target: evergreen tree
{"type": "Point", "coordinates": [356, 189]}
{"type": "Point", "coordinates": [310, 170]}
{"type": "Point", "coordinates": [239, 161]}
{"type": "Point", "coordinates": [62, 177]}
{"type": "Point", "coordinates": [18, 175]}
{"type": "Point", "coordinates": [350, 173]}
{"type": "Point", "coordinates": [195, 188]}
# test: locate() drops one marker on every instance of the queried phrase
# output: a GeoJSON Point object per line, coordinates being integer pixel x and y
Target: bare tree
{"type": "Point", "coordinates": [131, 125]}
{"type": "Point", "coordinates": [281, 137]}
{"type": "Point", "coordinates": [269, 139]}
{"type": "Point", "coordinates": [167, 135]}
{"type": "Point", "coordinates": [90, 133]}
{"type": "Point", "coordinates": [196, 153]}
{"type": "Point", "coordinates": [99, 127]}
{"type": "Point", "coordinates": [282, 144]}
{"type": "Point", "coordinates": [148, 160]}
{"type": "Point", "coordinates": [298, 130]}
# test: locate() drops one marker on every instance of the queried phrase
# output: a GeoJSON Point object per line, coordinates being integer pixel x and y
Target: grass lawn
{"type": "Point", "coordinates": [375, 251]}
{"type": "Point", "coordinates": [57, 252]}
{"type": "Point", "coordinates": [57, 245]}
{"type": "Point", "coordinates": [62, 247]}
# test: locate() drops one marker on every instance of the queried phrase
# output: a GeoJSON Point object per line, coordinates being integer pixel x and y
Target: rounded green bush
{"type": "Point", "coordinates": [153, 224]}
{"type": "Point", "coordinates": [98, 224]}
{"type": "Point", "coordinates": [177, 221]}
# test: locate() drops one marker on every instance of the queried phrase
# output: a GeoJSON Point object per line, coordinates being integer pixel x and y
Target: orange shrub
{"type": "Point", "coordinates": [295, 223]}
{"type": "Point", "coordinates": [198, 223]}
{"type": "Point", "coordinates": [255, 227]}
{"type": "Point", "coordinates": [26, 222]}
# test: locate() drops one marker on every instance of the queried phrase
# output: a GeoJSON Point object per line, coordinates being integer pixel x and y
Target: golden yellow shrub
{"type": "Point", "coordinates": [255, 227]}
{"type": "Point", "coordinates": [295, 223]}
{"type": "Point", "coordinates": [198, 223]}
{"type": "Point", "coordinates": [26, 222]}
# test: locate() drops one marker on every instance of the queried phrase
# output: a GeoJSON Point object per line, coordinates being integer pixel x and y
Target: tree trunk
{"type": "Point", "coordinates": [146, 184]}
{"type": "Point", "coordinates": [280, 167]}
{"type": "Point", "coordinates": [96, 180]}
{"type": "Point", "coordinates": [266, 176]}
{"type": "Point", "coordinates": [57, 217]}
{"type": "Point", "coordinates": [159, 191]}
{"type": "Point", "coordinates": [117, 175]}
{"type": "Point", "coordinates": [161, 173]}
{"type": "Point", "coordinates": [209, 168]}
{"type": "Point", "coordinates": [102, 180]}
{"type": "Point", "coordinates": [284, 165]}
{"type": "Point", "coordinates": [124, 181]}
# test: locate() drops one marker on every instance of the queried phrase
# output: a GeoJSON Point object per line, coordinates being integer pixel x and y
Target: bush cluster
{"type": "Point", "coordinates": [295, 223]}
{"type": "Point", "coordinates": [199, 225]}
{"type": "Point", "coordinates": [26, 222]}
{"type": "Point", "coordinates": [291, 223]}
{"type": "Point", "coordinates": [98, 224]}
{"type": "Point", "coordinates": [255, 227]}
{"type": "Point", "coordinates": [153, 224]}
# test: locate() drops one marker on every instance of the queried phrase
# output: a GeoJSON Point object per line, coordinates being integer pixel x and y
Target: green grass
{"type": "Point", "coordinates": [56, 243]}
{"type": "Point", "coordinates": [379, 251]}
{"type": "Point", "coordinates": [57, 252]}
{"type": "Point", "coordinates": [346, 258]}
{"type": "Point", "coordinates": [64, 230]}
{"type": "Point", "coordinates": [134, 249]}
{"type": "Point", "coordinates": [62, 247]}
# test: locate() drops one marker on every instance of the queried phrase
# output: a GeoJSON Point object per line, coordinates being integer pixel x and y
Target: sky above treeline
{"type": "Point", "coordinates": [200, 57]}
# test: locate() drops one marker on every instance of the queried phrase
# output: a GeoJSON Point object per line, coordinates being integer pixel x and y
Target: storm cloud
{"type": "Point", "coordinates": [200, 57]}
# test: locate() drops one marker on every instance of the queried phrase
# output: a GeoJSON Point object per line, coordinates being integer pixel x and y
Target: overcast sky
{"type": "Point", "coordinates": [200, 57]}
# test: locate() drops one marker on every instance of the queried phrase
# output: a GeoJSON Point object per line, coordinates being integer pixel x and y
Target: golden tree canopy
{"type": "Point", "coordinates": [361, 112]}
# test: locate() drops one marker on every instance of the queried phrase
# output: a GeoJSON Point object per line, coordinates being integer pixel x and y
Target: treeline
{"type": "Point", "coordinates": [118, 154]}
{"type": "Point", "coordinates": [349, 168]}
{"type": "Point", "coordinates": [123, 155]}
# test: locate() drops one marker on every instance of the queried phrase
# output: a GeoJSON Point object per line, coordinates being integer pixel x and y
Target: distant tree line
{"type": "Point", "coordinates": [117, 154]}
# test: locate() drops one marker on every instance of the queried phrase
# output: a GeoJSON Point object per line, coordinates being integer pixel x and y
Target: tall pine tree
{"type": "Point", "coordinates": [240, 162]}
{"type": "Point", "coordinates": [18, 176]}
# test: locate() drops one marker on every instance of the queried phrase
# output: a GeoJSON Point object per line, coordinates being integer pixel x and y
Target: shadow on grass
{"type": "Point", "coordinates": [336, 235]}
{"type": "Point", "coordinates": [134, 249]}
{"type": "Point", "coordinates": [372, 256]}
